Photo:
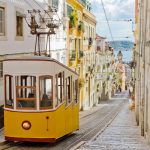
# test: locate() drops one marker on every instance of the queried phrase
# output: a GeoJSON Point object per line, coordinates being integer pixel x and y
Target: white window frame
{"type": "Point", "coordinates": [21, 12]}
{"type": "Point", "coordinates": [3, 36]}
{"type": "Point", "coordinates": [2, 21]}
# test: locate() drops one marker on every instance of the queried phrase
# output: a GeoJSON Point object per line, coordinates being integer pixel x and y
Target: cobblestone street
{"type": "Point", "coordinates": [121, 134]}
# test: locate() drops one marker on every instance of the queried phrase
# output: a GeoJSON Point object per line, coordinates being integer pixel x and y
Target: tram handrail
{"type": "Point", "coordinates": [25, 87]}
{"type": "Point", "coordinates": [25, 99]}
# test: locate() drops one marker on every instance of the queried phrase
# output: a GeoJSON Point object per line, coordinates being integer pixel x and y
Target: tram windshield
{"type": "Point", "coordinates": [9, 96]}
{"type": "Point", "coordinates": [26, 92]}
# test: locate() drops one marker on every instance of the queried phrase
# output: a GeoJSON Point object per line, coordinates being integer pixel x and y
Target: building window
{"type": "Point", "coordinates": [69, 10]}
{"type": "Point", "coordinates": [2, 21]}
{"type": "Point", "coordinates": [58, 56]}
{"type": "Point", "coordinates": [19, 24]}
{"type": "Point", "coordinates": [55, 3]}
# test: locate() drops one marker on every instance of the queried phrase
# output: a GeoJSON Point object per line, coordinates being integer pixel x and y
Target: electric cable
{"type": "Point", "coordinates": [108, 23]}
{"type": "Point", "coordinates": [29, 4]}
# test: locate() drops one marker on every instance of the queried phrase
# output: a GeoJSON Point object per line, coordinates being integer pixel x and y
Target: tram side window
{"type": "Point", "coordinates": [68, 90]}
{"type": "Point", "coordinates": [76, 91]}
{"type": "Point", "coordinates": [59, 83]}
{"type": "Point", "coordinates": [63, 88]}
{"type": "Point", "coordinates": [46, 92]}
{"type": "Point", "coordinates": [26, 92]}
{"type": "Point", "coordinates": [9, 97]}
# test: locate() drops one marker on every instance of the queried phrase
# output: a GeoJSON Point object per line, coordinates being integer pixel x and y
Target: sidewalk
{"type": "Point", "coordinates": [92, 110]}
{"type": "Point", "coordinates": [2, 136]}
{"type": "Point", "coordinates": [122, 134]}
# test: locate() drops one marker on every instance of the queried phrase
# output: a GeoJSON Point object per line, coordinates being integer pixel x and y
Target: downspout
{"type": "Point", "coordinates": [143, 93]}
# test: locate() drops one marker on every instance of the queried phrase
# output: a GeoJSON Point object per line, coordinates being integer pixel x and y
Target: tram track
{"type": "Point", "coordinates": [88, 130]}
{"type": "Point", "coordinates": [102, 125]}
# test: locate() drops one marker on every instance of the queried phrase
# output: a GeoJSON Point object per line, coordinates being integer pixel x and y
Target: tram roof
{"type": "Point", "coordinates": [36, 58]}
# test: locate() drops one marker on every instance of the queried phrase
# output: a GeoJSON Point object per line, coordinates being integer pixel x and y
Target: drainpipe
{"type": "Point", "coordinates": [143, 84]}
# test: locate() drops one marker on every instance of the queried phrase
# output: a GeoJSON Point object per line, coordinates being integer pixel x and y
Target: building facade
{"type": "Point", "coordinates": [58, 44]}
{"type": "Point", "coordinates": [75, 30]}
{"type": "Point", "coordinates": [142, 67]}
{"type": "Point", "coordinates": [104, 70]}
{"type": "Point", "coordinates": [88, 64]}
{"type": "Point", "coordinates": [15, 34]}
{"type": "Point", "coordinates": [81, 48]}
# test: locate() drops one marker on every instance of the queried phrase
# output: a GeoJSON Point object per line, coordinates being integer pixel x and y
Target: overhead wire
{"type": "Point", "coordinates": [108, 23]}
{"type": "Point", "coordinates": [29, 4]}
{"type": "Point", "coordinates": [46, 11]}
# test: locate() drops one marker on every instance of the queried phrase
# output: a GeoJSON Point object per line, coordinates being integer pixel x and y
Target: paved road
{"type": "Point", "coordinates": [91, 122]}
{"type": "Point", "coordinates": [121, 134]}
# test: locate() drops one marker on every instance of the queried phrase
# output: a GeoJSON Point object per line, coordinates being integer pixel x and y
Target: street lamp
{"type": "Point", "coordinates": [119, 56]}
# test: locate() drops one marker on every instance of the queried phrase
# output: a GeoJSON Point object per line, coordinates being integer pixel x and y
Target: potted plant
{"type": "Point", "coordinates": [73, 19]}
{"type": "Point", "coordinates": [81, 26]}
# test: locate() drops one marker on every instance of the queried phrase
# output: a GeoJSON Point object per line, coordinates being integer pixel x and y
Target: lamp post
{"type": "Point", "coordinates": [121, 71]}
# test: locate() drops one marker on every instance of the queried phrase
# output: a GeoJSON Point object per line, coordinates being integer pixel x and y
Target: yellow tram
{"type": "Point", "coordinates": [41, 99]}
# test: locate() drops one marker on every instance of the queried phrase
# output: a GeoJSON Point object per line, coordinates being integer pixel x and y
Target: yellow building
{"type": "Point", "coordinates": [88, 65]}
{"type": "Point", "coordinates": [81, 47]}
{"type": "Point", "coordinates": [75, 37]}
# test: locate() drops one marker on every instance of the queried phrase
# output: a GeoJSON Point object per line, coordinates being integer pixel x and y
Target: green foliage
{"type": "Point", "coordinates": [72, 55]}
{"type": "Point", "coordinates": [81, 54]}
{"type": "Point", "coordinates": [73, 19]}
{"type": "Point", "coordinates": [81, 26]}
{"type": "Point", "coordinates": [104, 67]}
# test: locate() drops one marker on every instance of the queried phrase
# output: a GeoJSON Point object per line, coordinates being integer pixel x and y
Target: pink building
{"type": "Point", "coordinates": [101, 43]}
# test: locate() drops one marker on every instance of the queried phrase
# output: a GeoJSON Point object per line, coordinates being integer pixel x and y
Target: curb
{"type": "Point", "coordinates": [4, 143]}
{"type": "Point", "coordinates": [90, 113]}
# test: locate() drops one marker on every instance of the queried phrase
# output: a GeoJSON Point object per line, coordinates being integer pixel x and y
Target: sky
{"type": "Point", "coordinates": [116, 11]}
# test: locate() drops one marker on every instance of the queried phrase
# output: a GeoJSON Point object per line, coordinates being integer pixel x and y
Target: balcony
{"type": "Point", "coordinates": [81, 54]}
{"type": "Point", "coordinates": [72, 55]}
{"type": "Point", "coordinates": [90, 41]}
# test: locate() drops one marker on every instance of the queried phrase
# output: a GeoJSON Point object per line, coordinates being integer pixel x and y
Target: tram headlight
{"type": "Point", "coordinates": [26, 125]}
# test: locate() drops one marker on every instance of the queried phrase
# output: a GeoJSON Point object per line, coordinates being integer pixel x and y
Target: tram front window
{"type": "Point", "coordinates": [46, 92]}
{"type": "Point", "coordinates": [26, 92]}
{"type": "Point", "coordinates": [9, 96]}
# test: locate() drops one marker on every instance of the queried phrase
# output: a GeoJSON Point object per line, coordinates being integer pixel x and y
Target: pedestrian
{"type": "Point", "coordinates": [119, 88]}
{"type": "Point", "coordinates": [129, 93]}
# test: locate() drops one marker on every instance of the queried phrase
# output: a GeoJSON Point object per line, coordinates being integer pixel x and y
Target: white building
{"type": "Point", "coordinates": [104, 69]}
{"type": "Point", "coordinates": [58, 41]}
{"type": "Point", "coordinates": [15, 36]}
